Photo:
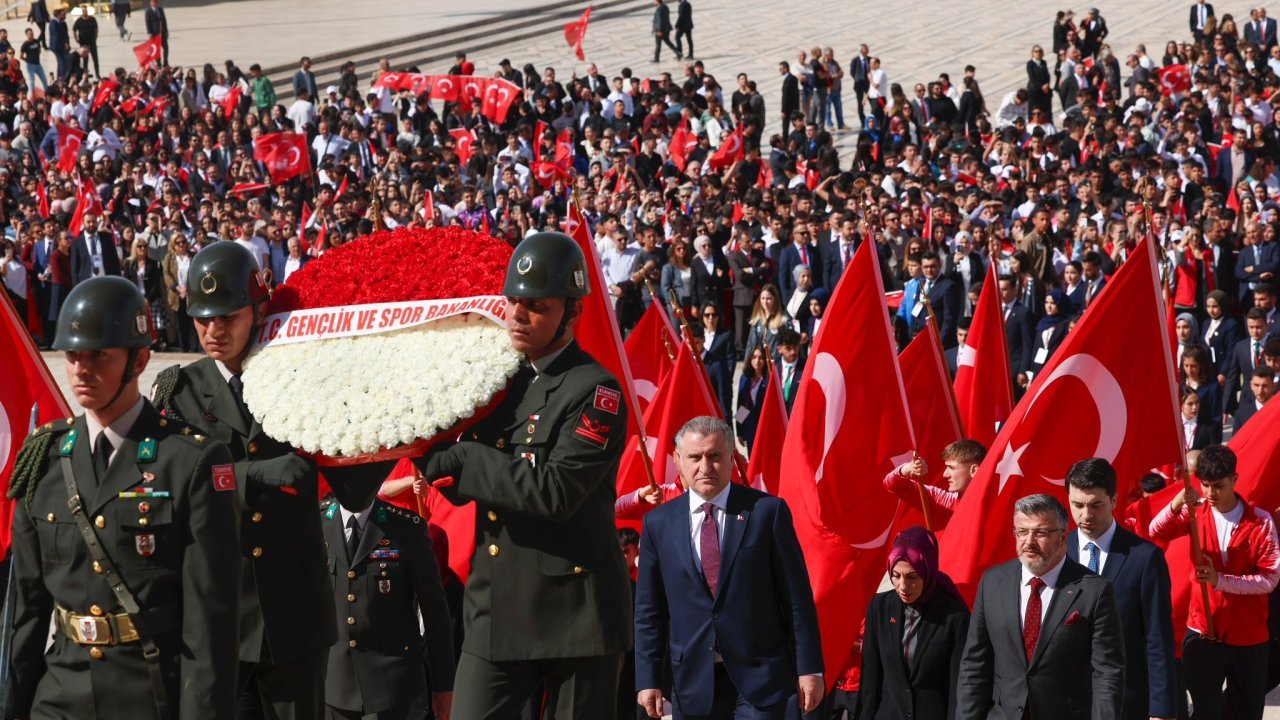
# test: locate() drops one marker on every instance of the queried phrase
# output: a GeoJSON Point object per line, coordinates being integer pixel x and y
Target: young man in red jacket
{"type": "Point", "coordinates": [1241, 565]}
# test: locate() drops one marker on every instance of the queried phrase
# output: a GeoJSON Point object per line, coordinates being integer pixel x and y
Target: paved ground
{"type": "Point", "coordinates": [915, 40]}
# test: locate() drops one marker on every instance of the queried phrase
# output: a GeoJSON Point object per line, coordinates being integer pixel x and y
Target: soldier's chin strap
{"type": "Point", "coordinates": [128, 375]}
{"type": "Point", "coordinates": [569, 305]}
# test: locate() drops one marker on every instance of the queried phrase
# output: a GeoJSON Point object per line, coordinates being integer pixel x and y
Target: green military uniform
{"type": "Point", "coordinates": [164, 513]}
{"type": "Point", "coordinates": [381, 662]}
{"type": "Point", "coordinates": [286, 604]}
{"type": "Point", "coordinates": [548, 601]}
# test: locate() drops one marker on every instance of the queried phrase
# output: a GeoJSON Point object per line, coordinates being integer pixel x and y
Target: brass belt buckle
{"type": "Point", "coordinates": [90, 630]}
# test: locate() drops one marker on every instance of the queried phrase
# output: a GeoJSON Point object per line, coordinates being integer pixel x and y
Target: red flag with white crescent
{"type": "Point", "coordinates": [27, 382]}
{"type": "Point", "coordinates": [445, 87]}
{"type": "Point", "coordinates": [575, 31]}
{"type": "Point", "coordinates": [462, 139]}
{"type": "Point", "coordinates": [70, 140]}
{"type": "Point", "coordinates": [1175, 79]}
{"type": "Point", "coordinates": [284, 155]}
{"type": "Point", "coordinates": [1118, 398]}
{"type": "Point", "coordinates": [764, 467]}
{"type": "Point", "coordinates": [984, 384]}
{"type": "Point", "coordinates": [933, 415]}
{"type": "Point", "coordinates": [149, 51]}
{"type": "Point", "coordinates": [844, 436]}
{"type": "Point", "coordinates": [731, 150]}
{"type": "Point", "coordinates": [650, 349]}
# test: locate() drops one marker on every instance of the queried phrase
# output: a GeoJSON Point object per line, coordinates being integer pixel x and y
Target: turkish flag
{"type": "Point", "coordinates": [131, 105]}
{"type": "Point", "coordinates": [1110, 386]}
{"type": "Point", "coordinates": [250, 188]}
{"type": "Point", "coordinates": [564, 148]}
{"type": "Point", "coordinates": [27, 382]}
{"type": "Point", "coordinates": [682, 141]}
{"type": "Point", "coordinates": [87, 201]}
{"type": "Point", "coordinates": [429, 206]}
{"type": "Point", "coordinates": [730, 150]}
{"type": "Point", "coordinates": [764, 467]}
{"type": "Point", "coordinates": [933, 413]}
{"type": "Point", "coordinates": [150, 51]}
{"type": "Point", "coordinates": [100, 98]}
{"type": "Point", "coordinates": [546, 174]}
{"type": "Point", "coordinates": [42, 200]}
{"type": "Point", "coordinates": [391, 80]}
{"type": "Point", "coordinates": [849, 427]}
{"type": "Point", "coordinates": [444, 87]}
{"type": "Point", "coordinates": [1175, 79]}
{"type": "Point", "coordinates": [682, 396]}
{"type": "Point", "coordinates": [651, 349]}
{"type": "Point", "coordinates": [575, 31]}
{"type": "Point", "coordinates": [983, 384]}
{"type": "Point", "coordinates": [597, 330]}
{"type": "Point", "coordinates": [462, 139]}
{"type": "Point", "coordinates": [1257, 448]}
{"type": "Point", "coordinates": [232, 101]}
{"type": "Point", "coordinates": [470, 89]}
{"type": "Point", "coordinates": [540, 130]}
{"type": "Point", "coordinates": [156, 106]}
{"type": "Point", "coordinates": [284, 154]}
{"type": "Point", "coordinates": [498, 98]}
{"type": "Point", "coordinates": [70, 140]}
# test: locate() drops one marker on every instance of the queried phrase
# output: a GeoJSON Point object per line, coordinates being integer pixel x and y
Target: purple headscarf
{"type": "Point", "coordinates": [919, 548]}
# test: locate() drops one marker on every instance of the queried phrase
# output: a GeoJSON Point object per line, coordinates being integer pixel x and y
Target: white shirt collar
{"type": "Point", "coordinates": [362, 517]}
{"type": "Point", "coordinates": [223, 371]}
{"type": "Point", "coordinates": [1103, 542]}
{"type": "Point", "coordinates": [117, 430]}
{"type": "Point", "coordinates": [1050, 578]}
{"type": "Point", "coordinates": [721, 500]}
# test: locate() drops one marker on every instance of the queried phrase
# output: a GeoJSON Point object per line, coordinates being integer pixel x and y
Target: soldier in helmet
{"type": "Point", "coordinates": [548, 601]}
{"type": "Point", "coordinates": [286, 602]}
{"type": "Point", "coordinates": [120, 532]}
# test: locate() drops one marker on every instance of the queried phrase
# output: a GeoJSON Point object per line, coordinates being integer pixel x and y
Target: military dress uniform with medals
{"type": "Point", "coordinates": [120, 535]}
{"type": "Point", "coordinates": [384, 574]}
{"type": "Point", "coordinates": [286, 602]}
{"type": "Point", "coordinates": [548, 597]}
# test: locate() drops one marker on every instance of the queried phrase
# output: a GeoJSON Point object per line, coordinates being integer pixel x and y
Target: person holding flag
{"type": "Point", "coordinates": [961, 458]}
{"type": "Point", "coordinates": [1228, 640]}
{"type": "Point", "coordinates": [548, 598]}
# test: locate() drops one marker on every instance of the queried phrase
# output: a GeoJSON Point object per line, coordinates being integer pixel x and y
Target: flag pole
{"type": "Point", "coordinates": [937, 338]}
{"type": "Point", "coordinates": [666, 339]}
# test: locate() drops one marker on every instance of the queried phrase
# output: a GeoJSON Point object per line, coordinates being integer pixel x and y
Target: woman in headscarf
{"type": "Point", "coordinates": [914, 637]}
{"type": "Point", "coordinates": [798, 304]}
{"type": "Point", "coordinates": [1187, 332]}
{"type": "Point", "coordinates": [1049, 333]}
{"type": "Point", "coordinates": [818, 300]}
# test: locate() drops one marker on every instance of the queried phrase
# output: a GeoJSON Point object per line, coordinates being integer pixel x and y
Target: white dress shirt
{"type": "Point", "coordinates": [1104, 546]}
{"type": "Point", "coordinates": [362, 520]}
{"type": "Point", "coordinates": [1024, 591]}
{"type": "Point", "coordinates": [720, 501]}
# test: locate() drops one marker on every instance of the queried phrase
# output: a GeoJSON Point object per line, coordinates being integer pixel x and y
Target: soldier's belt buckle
{"type": "Point", "coordinates": [90, 630]}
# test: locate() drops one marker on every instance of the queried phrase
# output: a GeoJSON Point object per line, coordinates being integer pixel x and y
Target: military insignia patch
{"type": "Point", "coordinates": [607, 399]}
{"type": "Point", "coordinates": [384, 587]}
{"type": "Point", "coordinates": [595, 432]}
{"type": "Point", "coordinates": [224, 477]}
{"type": "Point", "coordinates": [145, 544]}
{"type": "Point", "coordinates": [88, 629]}
{"type": "Point", "coordinates": [68, 444]}
{"type": "Point", "coordinates": [147, 450]}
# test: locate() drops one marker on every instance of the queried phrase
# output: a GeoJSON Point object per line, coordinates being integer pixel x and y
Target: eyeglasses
{"type": "Point", "coordinates": [1024, 533]}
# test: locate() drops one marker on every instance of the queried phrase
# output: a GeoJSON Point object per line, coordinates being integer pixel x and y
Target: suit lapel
{"type": "Point", "coordinates": [1064, 596]}
{"type": "Point", "coordinates": [684, 542]}
{"type": "Point", "coordinates": [1116, 556]}
{"type": "Point", "coordinates": [333, 536]}
{"type": "Point", "coordinates": [1009, 593]}
{"type": "Point", "coordinates": [930, 619]}
{"type": "Point", "coordinates": [736, 517]}
{"type": "Point", "coordinates": [372, 534]}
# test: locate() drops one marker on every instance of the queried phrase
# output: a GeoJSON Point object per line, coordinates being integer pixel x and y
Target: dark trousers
{"type": "Point", "coordinates": [400, 713]}
{"type": "Point", "coordinates": [658, 39]}
{"type": "Point", "coordinates": [64, 64]}
{"type": "Point", "coordinates": [44, 292]}
{"type": "Point", "coordinates": [686, 35]}
{"type": "Point", "coordinates": [93, 53]}
{"type": "Point", "coordinates": [287, 691]}
{"type": "Point", "coordinates": [187, 339]}
{"type": "Point", "coordinates": [860, 89]}
{"type": "Point", "coordinates": [841, 705]}
{"type": "Point", "coordinates": [742, 328]}
{"type": "Point", "coordinates": [1244, 668]}
{"type": "Point", "coordinates": [729, 705]}
{"type": "Point", "coordinates": [583, 688]}
{"type": "Point", "coordinates": [19, 304]}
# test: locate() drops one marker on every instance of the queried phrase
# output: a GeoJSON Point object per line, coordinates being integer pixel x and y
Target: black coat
{"type": "Point", "coordinates": [684, 15]}
{"type": "Point", "coordinates": [790, 94]}
{"type": "Point", "coordinates": [381, 661]}
{"type": "Point", "coordinates": [151, 282]}
{"type": "Point", "coordinates": [661, 19]}
{"type": "Point", "coordinates": [82, 259]}
{"type": "Point", "coordinates": [924, 690]}
{"type": "Point", "coordinates": [1018, 337]}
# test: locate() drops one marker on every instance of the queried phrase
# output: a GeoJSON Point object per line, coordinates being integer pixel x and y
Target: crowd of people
{"type": "Point", "coordinates": [1049, 191]}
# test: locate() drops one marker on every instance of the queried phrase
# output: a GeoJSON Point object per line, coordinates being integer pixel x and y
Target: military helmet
{"type": "Point", "coordinates": [102, 313]}
{"type": "Point", "coordinates": [547, 264]}
{"type": "Point", "coordinates": [222, 279]}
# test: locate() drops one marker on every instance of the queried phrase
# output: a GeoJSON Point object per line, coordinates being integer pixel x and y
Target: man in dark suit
{"type": "Point", "coordinates": [743, 569]}
{"type": "Point", "coordinates": [748, 275]}
{"type": "Point", "coordinates": [1017, 326]}
{"type": "Point", "coordinates": [385, 575]}
{"type": "Point", "coordinates": [838, 252]}
{"type": "Point", "coordinates": [158, 24]}
{"type": "Point", "coordinates": [662, 30]}
{"type": "Point", "coordinates": [860, 71]}
{"type": "Point", "coordinates": [1260, 30]}
{"type": "Point", "coordinates": [1200, 14]}
{"type": "Point", "coordinates": [790, 364]}
{"type": "Point", "coordinates": [1233, 163]}
{"type": "Point", "coordinates": [93, 252]}
{"type": "Point", "coordinates": [42, 278]}
{"type": "Point", "coordinates": [546, 603]}
{"type": "Point", "coordinates": [1044, 640]}
{"type": "Point", "coordinates": [60, 42]}
{"type": "Point", "coordinates": [304, 81]}
{"type": "Point", "coordinates": [1261, 387]}
{"type": "Point", "coordinates": [1095, 31]}
{"type": "Point", "coordinates": [800, 251]}
{"type": "Point", "coordinates": [1094, 278]}
{"type": "Point", "coordinates": [790, 97]}
{"type": "Point", "coordinates": [1244, 358]}
{"type": "Point", "coordinates": [1257, 263]}
{"type": "Point", "coordinates": [684, 27]}
{"type": "Point", "coordinates": [710, 273]}
{"type": "Point", "coordinates": [945, 296]}
{"type": "Point", "coordinates": [1138, 572]}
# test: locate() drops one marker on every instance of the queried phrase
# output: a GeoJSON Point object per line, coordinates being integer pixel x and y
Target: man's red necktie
{"type": "Point", "coordinates": [709, 544]}
{"type": "Point", "coordinates": [1031, 625]}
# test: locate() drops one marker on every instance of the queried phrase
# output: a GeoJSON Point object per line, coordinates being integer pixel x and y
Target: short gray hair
{"type": "Point", "coordinates": [1041, 504]}
{"type": "Point", "coordinates": [706, 426]}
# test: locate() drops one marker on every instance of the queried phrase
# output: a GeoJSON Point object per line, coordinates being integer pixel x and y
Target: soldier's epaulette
{"type": "Point", "coordinates": [383, 511]}
{"type": "Point", "coordinates": [162, 392]}
{"type": "Point", "coordinates": [33, 457]}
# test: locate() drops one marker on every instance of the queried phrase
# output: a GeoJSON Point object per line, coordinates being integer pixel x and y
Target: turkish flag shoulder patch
{"type": "Point", "coordinates": [224, 477]}
{"type": "Point", "coordinates": [607, 399]}
{"type": "Point", "coordinates": [595, 431]}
